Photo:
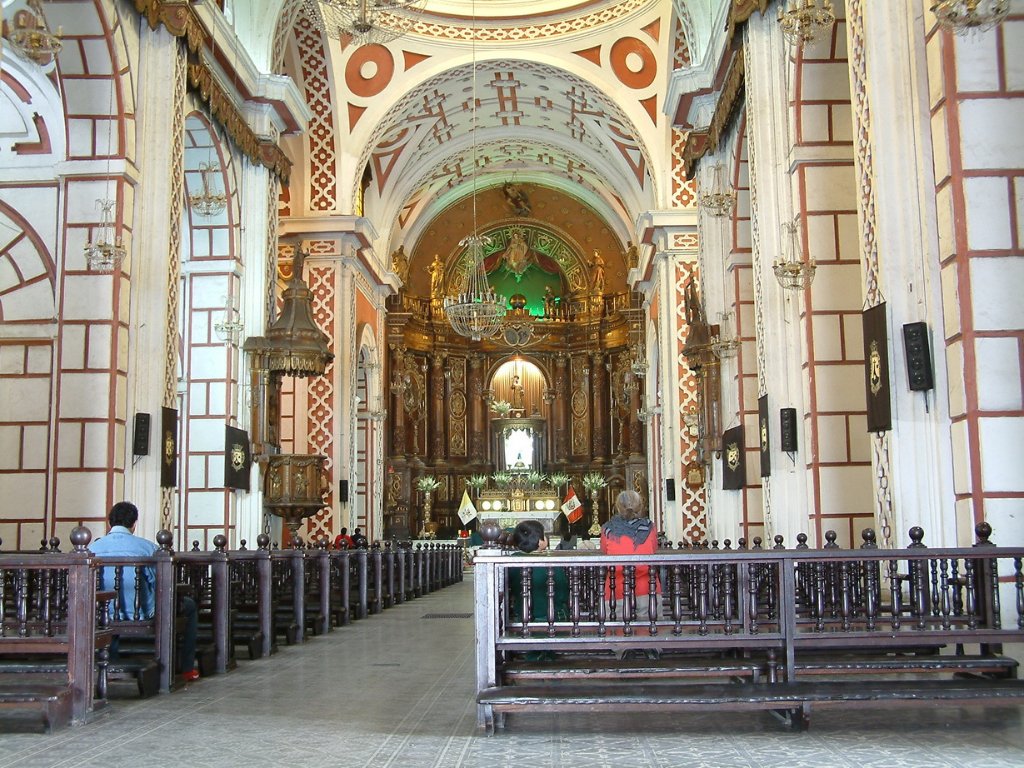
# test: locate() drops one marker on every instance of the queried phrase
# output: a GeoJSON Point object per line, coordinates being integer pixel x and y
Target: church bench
{"type": "Point", "coordinates": [798, 699]}
{"type": "Point", "coordinates": [48, 610]}
{"type": "Point", "coordinates": [252, 599]}
{"type": "Point", "coordinates": [208, 577]}
{"type": "Point", "coordinates": [827, 624]}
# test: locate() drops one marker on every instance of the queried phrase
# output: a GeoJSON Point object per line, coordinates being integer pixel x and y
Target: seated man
{"type": "Point", "coordinates": [121, 541]}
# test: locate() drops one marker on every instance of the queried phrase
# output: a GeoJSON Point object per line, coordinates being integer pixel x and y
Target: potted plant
{"type": "Point", "coordinates": [502, 408]}
{"type": "Point", "coordinates": [476, 483]}
{"type": "Point", "coordinates": [534, 479]}
{"type": "Point", "coordinates": [502, 480]}
{"type": "Point", "coordinates": [558, 480]}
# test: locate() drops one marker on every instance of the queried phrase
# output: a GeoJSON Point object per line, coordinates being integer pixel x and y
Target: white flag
{"type": "Point", "coordinates": [466, 509]}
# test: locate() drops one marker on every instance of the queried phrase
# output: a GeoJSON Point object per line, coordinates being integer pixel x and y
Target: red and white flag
{"type": "Point", "coordinates": [572, 507]}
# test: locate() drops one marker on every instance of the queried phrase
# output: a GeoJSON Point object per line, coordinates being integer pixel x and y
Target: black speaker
{"type": "Point", "coordinates": [670, 489]}
{"type": "Point", "coordinates": [919, 359]}
{"type": "Point", "coordinates": [140, 436]}
{"type": "Point", "coordinates": [343, 491]}
{"type": "Point", "coordinates": [787, 419]}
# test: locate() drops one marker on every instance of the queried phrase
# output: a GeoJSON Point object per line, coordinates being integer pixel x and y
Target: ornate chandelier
{"type": "Point", "coordinates": [803, 21]}
{"type": "Point", "coordinates": [793, 272]}
{"type": "Point", "coordinates": [719, 201]}
{"type": "Point", "coordinates": [364, 22]}
{"type": "Point", "coordinates": [210, 201]}
{"type": "Point", "coordinates": [32, 37]}
{"type": "Point", "coordinates": [105, 253]}
{"type": "Point", "coordinates": [965, 16]}
{"type": "Point", "coordinates": [476, 311]}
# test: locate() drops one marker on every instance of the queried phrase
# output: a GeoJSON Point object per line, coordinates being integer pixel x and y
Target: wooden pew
{"type": "Point", "coordinates": [207, 574]}
{"type": "Point", "coordinates": [822, 628]}
{"type": "Point", "coordinates": [252, 598]}
{"type": "Point", "coordinates": [48, 611]}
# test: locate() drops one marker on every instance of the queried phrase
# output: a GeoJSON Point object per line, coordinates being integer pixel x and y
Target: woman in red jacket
{"type": "Point", "coordinates": [629, 532]}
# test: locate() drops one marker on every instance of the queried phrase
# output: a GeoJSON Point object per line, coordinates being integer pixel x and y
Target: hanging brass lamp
{"type": "Point", "coordinates": [293, 344]}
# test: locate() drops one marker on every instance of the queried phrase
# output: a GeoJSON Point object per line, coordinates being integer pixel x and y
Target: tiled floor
{"type": "Point", "coordinates": [396, 690]}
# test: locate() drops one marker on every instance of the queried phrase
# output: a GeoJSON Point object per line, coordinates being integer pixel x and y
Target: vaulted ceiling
{"type": "Point", "coordinates": [563, 95]}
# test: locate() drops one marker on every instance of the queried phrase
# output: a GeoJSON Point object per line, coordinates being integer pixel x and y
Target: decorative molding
{"type": "Point", "coordinates": [181, 20]}
{"type": "Point", "coordinates": [730, 100]}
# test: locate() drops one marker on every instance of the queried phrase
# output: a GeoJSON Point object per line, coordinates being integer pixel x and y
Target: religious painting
{"type": "Point", "coordinates": [169, 448]}
{"type": "Point", "coordinates": [237, 458]}
{"type": "Point", "coordinates": [876, 369]}
{"type": "Point", "coordinates": [763, 436]}
{"type": "Point", "coordinates": [734, 470]}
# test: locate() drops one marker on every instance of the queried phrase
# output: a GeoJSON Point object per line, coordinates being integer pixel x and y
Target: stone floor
{"type": "Point", "coordinates": [396, 691]}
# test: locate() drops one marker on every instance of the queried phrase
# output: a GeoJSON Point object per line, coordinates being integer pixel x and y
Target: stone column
{"type": "Point", "coordinates": [477, 411]}
{"type": "Point", "coordinates": [561, 408]}
{"type": "Point", "coordinates": [437, 408]}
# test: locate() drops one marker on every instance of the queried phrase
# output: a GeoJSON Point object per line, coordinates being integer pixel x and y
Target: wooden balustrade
{"type": "Point", "coordinates": [791, 615]}
{"type": "Point", "coordinates": [62, 610]}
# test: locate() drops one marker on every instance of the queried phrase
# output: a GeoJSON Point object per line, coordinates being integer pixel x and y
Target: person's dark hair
{"type": "Point", "coordinates": [344, 531]}
{"type": "Point", "coordinates": [528, 535]}
{"type": "Point", "coordinates": [124, 513]}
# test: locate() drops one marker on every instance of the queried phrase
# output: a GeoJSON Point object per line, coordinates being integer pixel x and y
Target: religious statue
{"type": "Point", "coordinates": [517, 395]}
{"type": "Point", "coordinates": [516, 199]}
{"type": "Point", "coordinates": [517, 255]}
{"type": "Point", "coordinates": [400, 263]}
{"type": "Point", "coordinates": [597, 272]}
{"type": "Point", "coordinates": [632, 255]}
{"type": "Point", "coordinates": [436, 270]}
{"type": "Point", "coordinates": [549, 301]}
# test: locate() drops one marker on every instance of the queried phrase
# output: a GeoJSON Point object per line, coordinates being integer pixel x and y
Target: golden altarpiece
{"type": "Point", "coordinates": [559, 389]}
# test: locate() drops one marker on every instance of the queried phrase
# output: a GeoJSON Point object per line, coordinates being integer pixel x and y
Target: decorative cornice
{"type": "Point", "coordinates": [730, 99]}
{"type": "Point", "coordinates": [181, 21]}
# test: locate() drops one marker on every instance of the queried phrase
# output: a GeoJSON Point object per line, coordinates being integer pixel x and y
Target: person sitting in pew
{"type": "Point", "coordinates": [359, 541]}
{"type": "Point", "coordinates": [343, 539]}
{"type": "Point", "coordinates": [529, 537]}
{"type": "Point", "coordinates": [121, 541]}
{"type": "Point", "coordinates": [630, 532]}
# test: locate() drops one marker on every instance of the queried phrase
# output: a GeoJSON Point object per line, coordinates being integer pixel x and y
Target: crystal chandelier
{"type": "Point", "coordinates": [364, 22]}
{"type": "Point", "coordinates": [105, 253]}
{"type": "Point", "coordinates": [230, 326]}
{"type": "Point", "coordinates": [719, 201]}
{"type": "Point", "coordinates": [475, 311]}
{"type": "Point", "coordinates": [210, 201]}
{"type": "Point", "coordinates": [803, 21]}
{"type": "Point", "coordinates": [964, 16]}
{"type": "Point", "coordinates": [794, 273]}
{"type": "Point", "coordinates": [32, 37]}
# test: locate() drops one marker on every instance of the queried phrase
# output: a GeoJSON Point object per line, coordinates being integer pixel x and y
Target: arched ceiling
{"type": "Point", "coordinates": [565, 95]}
{"type": "Point", "coordinates": [533, 120]}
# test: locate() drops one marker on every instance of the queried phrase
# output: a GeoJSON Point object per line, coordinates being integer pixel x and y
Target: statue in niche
{"type": "Point", "coordinates": [517, 395]}
{"type": "Point", "coordinates": [516, 199]}
{"type": "Point", "coordinates": [632, 255]}
{"type": "Point", "coordinates": [400, 264]}
{"type": "Point", "coordinates": [517, 256]}
{"type": "Point", "coordinates": [597, 272]}
{"type": "Point", "coordinates": [436, 270]}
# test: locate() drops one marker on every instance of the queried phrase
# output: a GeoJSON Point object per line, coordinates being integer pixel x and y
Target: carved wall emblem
{"type": "Point", "coordinates": [732, 456]}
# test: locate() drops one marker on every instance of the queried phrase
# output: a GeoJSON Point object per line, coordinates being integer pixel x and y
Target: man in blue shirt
{"type": "Point", "coordinates": [122, 542]}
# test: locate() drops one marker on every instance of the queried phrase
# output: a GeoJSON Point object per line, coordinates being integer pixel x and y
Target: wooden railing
{"type": "Point", "coordinates": [773, 607]}
{"type": "Point", "coordinates": [59, 612]}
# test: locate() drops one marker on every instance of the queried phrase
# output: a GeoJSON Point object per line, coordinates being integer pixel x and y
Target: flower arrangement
{"type": "Point", "coordinates": [502, 479]}
{"type": "Point", "coordinates": [428, 484]}
{"type": "Point", "coordinates": [534, 479]}
{"type": "Point", "coordinates": [558, 479]}
{"type": "Point", "coordinates": [476, 482]}
{"type": "Point", "coordinates": [594, 481]}
{"type": "Point", "coordinates": [501, 407]}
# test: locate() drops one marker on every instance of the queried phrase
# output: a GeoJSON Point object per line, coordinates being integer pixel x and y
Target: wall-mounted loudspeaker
{"type": "Point", "coordinates": [919, 359]}
{"type": "Point", "coordinates": [343, 491]}
{"type": "Point", "coordinates": [787, 418]}
{"type": "Point", "coordinates": [670, 490]}
{"type": "Point", "coordinates": [140, 435]}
